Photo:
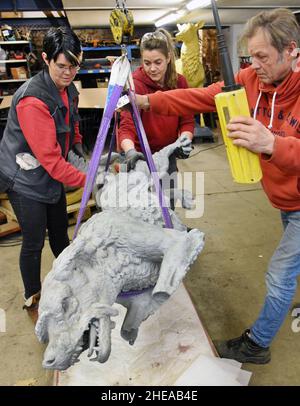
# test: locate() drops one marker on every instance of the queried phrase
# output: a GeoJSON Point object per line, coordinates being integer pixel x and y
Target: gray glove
{"type": "Point", "coordinates": [77, 148]}
{"type": "Point", "coordinates": [184, 151]}
{"type": "Point", "coordinates": [80, 163]}
{"type": "Point", "coordinates": [131, 158]}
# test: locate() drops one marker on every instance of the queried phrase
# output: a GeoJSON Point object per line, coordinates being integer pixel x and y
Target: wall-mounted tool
{"type": "Point", "coordinates": [232, 102]}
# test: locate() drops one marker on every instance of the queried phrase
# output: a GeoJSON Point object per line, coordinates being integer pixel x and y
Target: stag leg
{"type": "Point", "coordinates": [177, 259]}
{"type": "Point", "coordinates": [139, 308]}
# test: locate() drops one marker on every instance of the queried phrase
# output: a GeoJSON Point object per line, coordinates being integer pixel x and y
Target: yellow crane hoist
{"type": "Point", "coordinates": [232, 102]}
{"type": "Point", "coordinates": [121, 23]}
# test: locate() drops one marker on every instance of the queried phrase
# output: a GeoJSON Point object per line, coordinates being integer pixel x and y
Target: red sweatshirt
{"type": "Point", "coordinates": [281, 171]}
{"type": "Point", "coordinates": [161, 130]}
{"type": "Point", "coordinates": [35, 119]}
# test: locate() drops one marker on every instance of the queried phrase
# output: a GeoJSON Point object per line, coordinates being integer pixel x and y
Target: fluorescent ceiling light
{"type": "Point", "coordinates": [197, 4]}
{"type": "Point", "coordinates": [169, 18]}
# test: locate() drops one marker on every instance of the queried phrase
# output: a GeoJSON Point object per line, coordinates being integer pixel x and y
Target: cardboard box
{"type": "Point", "coordinates": [11, 14]}
{"type": "Point", "coordinates": [19, 73]}
{"type": "Point", "coordinates": [101, 84]}
{"type": "Point", "coordinates": [6, 102]}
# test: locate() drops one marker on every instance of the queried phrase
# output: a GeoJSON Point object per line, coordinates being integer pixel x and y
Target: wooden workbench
{"type": "Point", "coordinates": [93, 98]}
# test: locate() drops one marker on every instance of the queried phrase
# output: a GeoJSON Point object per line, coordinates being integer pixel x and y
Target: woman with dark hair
{"type": "Point", "coordinates": [157, 72]}
{"type": "Point", "coordinates": [41, 129]}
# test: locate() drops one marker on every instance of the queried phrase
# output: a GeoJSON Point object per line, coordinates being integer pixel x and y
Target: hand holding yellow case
{"type": "Point", "coordinates": [244, 164]}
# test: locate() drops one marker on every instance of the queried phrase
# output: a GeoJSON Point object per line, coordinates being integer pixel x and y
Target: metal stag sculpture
{"type": "Point", "coordinates": [189, 64]}
{"type": "Point", "coordinates": [122, 255]}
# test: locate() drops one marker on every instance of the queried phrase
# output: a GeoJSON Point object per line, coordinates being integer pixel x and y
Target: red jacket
{"type": "Point", "coordinates": [39, 130]}
{"type": "Point", "coordinates": [281, 171]}
{"type": "Point", "coordinates": [161, 130]}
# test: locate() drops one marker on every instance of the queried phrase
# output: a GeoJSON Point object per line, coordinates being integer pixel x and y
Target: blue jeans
{"type": "Point", "coordinates": [281, 281]}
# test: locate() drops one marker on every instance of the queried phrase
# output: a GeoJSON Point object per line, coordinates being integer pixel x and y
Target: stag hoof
{"type": "Point", "coordinates": [130, 336]}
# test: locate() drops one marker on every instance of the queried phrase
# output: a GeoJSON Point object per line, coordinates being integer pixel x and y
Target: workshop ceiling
{"type": "Point", "coordinates": [145, 12]}
{"type": "Point", "coordinates": [95, 13]}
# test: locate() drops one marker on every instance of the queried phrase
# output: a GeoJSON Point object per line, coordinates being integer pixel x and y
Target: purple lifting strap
{"type": "Point", "coordinates": [147, 152]}
{"type": "Point", "coordinates": [98, 149]}
{"type": "Point", "coordinates": [129, 293]}
{"type": "Point", "coordinates": [112, 143]}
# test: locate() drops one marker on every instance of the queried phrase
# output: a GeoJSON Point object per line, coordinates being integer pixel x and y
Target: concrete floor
{"type": "Point", "coordinates": [226, 283]}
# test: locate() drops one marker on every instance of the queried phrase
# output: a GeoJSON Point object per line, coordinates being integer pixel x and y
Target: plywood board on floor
{"type": "Point", "coordinates": [6, 208]}
{"type": "Point", "coordinates": [9, 228]}
{"type": "Point", "coordinates": [73, 211]}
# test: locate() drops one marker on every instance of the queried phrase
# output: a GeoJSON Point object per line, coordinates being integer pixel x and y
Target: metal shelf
{"type": "Point", "coordinates": [13, 80]}
{"type": "Point", "coordinates": [129, 49]}
{"type": "Point", "coordinates": [88, 71]}
{"type": "Point", "coordinates": [20, 45]}
{"type": "Point", "coordinates": [109, 48]}
{"type": "Point", "coordinates": [13, 42]}
{"type": "Point", "coordinates": [12, 60]}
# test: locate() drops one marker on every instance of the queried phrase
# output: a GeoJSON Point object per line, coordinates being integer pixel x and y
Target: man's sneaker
{"type": "Point", "coordinates": [295, 310]}
{"type": "Point", "coordinates": [32, 305]}
{"type": "Point", "coordinates": [243, 349]}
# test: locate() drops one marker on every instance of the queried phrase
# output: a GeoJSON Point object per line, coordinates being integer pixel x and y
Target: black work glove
{"type": "Point", "coordinates": [131, 158]}
{"type": "Point", "coordinates": [184, 151]}
{"type": "Point", "coordinates": [77, 148]}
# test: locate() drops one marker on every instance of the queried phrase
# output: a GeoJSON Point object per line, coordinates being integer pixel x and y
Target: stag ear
{"type": "Point", "coordinates": [41, 330]}
{"type": "Point", "coordinates": [200, 24]}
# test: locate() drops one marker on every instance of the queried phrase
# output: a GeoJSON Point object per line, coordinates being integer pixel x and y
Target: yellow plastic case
{"type": "Point", "coordinates": [244, 164]}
